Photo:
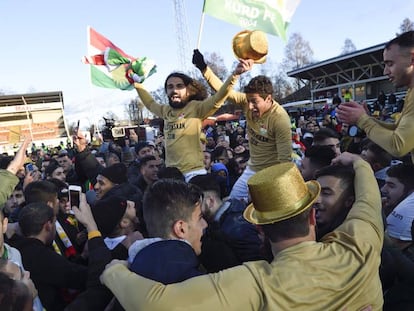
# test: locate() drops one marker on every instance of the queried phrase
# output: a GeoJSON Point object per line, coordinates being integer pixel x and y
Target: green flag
{"type": "Point", "coordinates": [270, 16]}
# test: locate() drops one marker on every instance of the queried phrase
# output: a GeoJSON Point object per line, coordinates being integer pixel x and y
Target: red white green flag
{"type": "Point", "coordinates": [111, 67]}
{"type": "Point", "coordinates": [270, 16]}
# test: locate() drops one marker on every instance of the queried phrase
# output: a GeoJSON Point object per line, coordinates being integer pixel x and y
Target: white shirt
{"type": "Point", "coordinates": [400, 220]}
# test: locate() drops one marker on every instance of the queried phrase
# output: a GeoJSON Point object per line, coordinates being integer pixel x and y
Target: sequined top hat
{"type": "Point", "coordinates": [249, 44]}
{"type": "Point", "coordinates": [278, 193]}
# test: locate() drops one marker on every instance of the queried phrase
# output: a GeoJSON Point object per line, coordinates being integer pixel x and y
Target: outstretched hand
{"type": "Point", "coordinates": [198, 60]}
{"type": "Point", "coordinates": [243, 66]}
{"type": "Point", "coordinates": [18, 161]}
{"type": "Point", "coordinates": [350, 112]}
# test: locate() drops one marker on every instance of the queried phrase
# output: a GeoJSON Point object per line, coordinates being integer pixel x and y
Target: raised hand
{"type": "Point", "coordinates": [243, 66]}
{"type": "Point", "coordinates": [198, 60]}
{"type": "Point", "coordinates": [79, 141]}
{"type": "Point", "coordinates": [18, 161]}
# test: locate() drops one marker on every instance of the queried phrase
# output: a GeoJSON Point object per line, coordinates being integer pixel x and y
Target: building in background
{"type": "Point", "coordinates": [39, 115]}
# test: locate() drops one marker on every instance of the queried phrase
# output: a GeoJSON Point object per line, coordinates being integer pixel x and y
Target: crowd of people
{"type": "Point", "coordinates": [275, 211]}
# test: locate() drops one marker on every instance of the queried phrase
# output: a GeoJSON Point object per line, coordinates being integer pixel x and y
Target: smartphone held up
{"type": "Point", "coordinates": [74, 195]}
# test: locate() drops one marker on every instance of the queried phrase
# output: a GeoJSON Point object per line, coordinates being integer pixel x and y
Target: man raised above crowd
{"type": "Point", "coordinates": [338, 273]}
{"type": "Point", "coordinates": [183, 116]}
{"type": "Point", "coordinates": [396, 138]}
{"type": "Point", "coordinates": [268, 124]}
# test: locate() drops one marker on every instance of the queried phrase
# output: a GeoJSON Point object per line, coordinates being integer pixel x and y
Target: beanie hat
{"type": "Point", "coordinates": [116, 173]}
{"type": "Point", "coordinates": [108, 213]}
{"type": "Point", "coordinates": [140, 145]}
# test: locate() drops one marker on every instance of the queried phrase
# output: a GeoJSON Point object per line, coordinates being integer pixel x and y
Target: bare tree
{"type": "Point", "coordinates": [159, 95]}
{"type": "Point", "coordinates": [281, 85]}
{"type": "Point", "coordinates": [110, 115]}
{"type": "Point", "coordinates": [133, 111]}
{"type": "Point", "coordinates": [243, 79]}
{"type": "Point", "coordinates": [298, 54]}
{"type": "Point", "coordinates": [348, 47]}
{"type": "Point", "coordinates": [406, 25]}
{"type": "Point", "coordinates": [72, 127]}
{"type": "Point", "coordinates": [216, 63]}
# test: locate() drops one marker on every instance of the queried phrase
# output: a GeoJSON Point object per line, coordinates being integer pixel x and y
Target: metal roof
{"type": "Point", "coordinates": [360, 65]}
{"type": "Point", "coordinates": [33, 98]}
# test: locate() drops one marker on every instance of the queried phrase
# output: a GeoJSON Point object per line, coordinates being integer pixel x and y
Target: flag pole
{"type": "Point", "coordinates": [200, 30]}
{"type": "Point", "coordinates": [28, 118]}
{"type": "Point", "coordinates": [91, 92]}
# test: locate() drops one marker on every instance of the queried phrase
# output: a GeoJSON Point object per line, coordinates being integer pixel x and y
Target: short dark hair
{"type": "Point", "coordinates": [171, 172]}
{"type": "Point", "coordinates": [323, 134]}
{"type": "Point", "coordinates": [33, 216]}
{"type": "Point", "coordinates": [195, 89]}
{"type": "Point", "coordinates": [143, 161]}
{"type": "Point", "coordinates": [40, 191]}
{"type": "Point", "coordinates": [15, 293]}
{"type": "Point", "coordinates": [320, 156]}
{"type": "Point", "coordinates": [404, 172]}
{"type": "Point", "coordinates": [405, 40]}
{"type": "Point", "coordinates": [261, 85]}
{"type": "Point", "coordinates": [297, 226]}
{"type": "Point", "coordinates": [381, 156]}
{"type": "Point", "coordinates": [207, 183]}
{"type": "Point", "coordinates": [219, 152]}
{"type": "Point", "coordinates": [53, 165]}
{"type": "Point", "coordinates": [167, 201]}
{"type": "Point", "coordinates": [345, 173]}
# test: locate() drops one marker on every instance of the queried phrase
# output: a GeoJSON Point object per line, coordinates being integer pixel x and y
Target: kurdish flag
{"type": "Point", "coordinates": [110, 67]}
{"type": "Point", "coordinates": [270, 16]}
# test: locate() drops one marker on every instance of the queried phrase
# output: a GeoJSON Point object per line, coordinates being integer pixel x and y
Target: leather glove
{"type": "Point", "coordinates": [198, 60]}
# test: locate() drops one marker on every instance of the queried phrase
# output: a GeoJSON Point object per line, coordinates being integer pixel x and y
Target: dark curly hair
{"type": "Point", "coordinates": [261, 85]}
{"type": "Point", "coordinates": [196, 89]}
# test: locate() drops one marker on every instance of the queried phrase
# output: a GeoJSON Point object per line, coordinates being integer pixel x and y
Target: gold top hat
{"type": "Point", "coordinates": [249, 44]}
{"type": "Point", "coordinates": [278, 193]}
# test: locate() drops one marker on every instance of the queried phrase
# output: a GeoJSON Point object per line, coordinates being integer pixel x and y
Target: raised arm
{"type": "Point", "coordinates": [364, 220]}
{"type": "Point", "coordinates": [86, 164]}
{"type": "Point", "coordinates": [148, 100]}
{"type": "Point", "coordinates": [8, 176]}
{"type": "Point", "coordinates": [215, 83]}
{"type": "Point", "coordinates": [397, 139]}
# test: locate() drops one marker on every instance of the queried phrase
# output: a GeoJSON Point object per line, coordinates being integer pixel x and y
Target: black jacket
{"type": "Point", "coordinates": [50, 272]}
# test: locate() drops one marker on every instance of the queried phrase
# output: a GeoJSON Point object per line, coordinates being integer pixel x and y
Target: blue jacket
{"type": "Point", "coordinates": [230, 240]}
{"type": "Point", "coordinates": [166, 261]}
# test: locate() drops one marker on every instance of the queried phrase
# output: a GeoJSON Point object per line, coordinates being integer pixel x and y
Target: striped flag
{"type": "Point", "coordinates": [270, 16]}
{"type": "Point", "coordinates": [111, 67]}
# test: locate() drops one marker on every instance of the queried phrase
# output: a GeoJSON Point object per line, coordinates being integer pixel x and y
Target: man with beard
{"type": "Point", "coordinates": [336, 198]}
{"type": "Point", "coordinates": [268, 125]}
{"type": "Point", "coordinates": [398, 204]}
{"type": "Point", "coordinates": [396, 138]}
{"type": "Point", "coordinates": [15, 200]}
{"type": "Point", "coordinates": [183, 116]}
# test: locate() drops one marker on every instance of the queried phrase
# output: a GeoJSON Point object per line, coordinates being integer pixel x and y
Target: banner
{"type": "Point", "coordinates": [270, 16]}
{"type": "Point", "coordinates": [110, 67]}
